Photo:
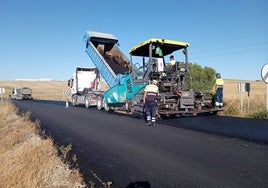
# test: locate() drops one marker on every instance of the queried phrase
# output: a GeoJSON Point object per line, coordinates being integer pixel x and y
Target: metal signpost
{"type": "Point", "coordinates": [2, 91]}
{"type": "Point", "coordinates": [264, 75]}
{"type": "Point", "coordinates": [243, 87]}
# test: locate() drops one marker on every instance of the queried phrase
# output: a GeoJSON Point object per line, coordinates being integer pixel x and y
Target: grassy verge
{"type": "Point", "coordinates": [27, 159]}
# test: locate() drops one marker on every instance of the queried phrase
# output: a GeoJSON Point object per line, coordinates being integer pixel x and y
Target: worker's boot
{"type": "Point", "coordinates": [153, 121]}
{"type": "Point", "coordinates": [148, 123]}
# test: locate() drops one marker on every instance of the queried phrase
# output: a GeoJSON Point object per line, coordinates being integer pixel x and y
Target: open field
{"type": "Point", "coordinates": [241, 102]}
{"type": "Point", "coordinates": [235, 103]}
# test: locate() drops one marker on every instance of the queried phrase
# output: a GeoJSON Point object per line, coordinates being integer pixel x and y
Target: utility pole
{"type": "Point", "coordinates": [264, 75]}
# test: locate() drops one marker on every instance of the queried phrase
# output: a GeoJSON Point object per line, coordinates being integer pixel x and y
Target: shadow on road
{"type": "Point", "coordinates": [140, 184]}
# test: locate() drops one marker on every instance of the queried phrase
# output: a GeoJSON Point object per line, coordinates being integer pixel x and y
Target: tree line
{"type": "Point", "coordinates": [200, 78]}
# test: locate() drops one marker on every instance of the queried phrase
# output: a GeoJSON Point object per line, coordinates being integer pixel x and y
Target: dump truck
{"type": "Point", "coordinates": [85, 86]}
{"type": "Point", "coordinates": [115, 68]}
{"type": "Point", "coordinates": [127, 79]}
{"type": "Point", "coordinates": [21, 93]}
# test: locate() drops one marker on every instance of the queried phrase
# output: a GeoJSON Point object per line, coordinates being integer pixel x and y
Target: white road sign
{"type": "Point", "coordinates": [264, 73]}
{"type": "Point", "coordinates": [2, 90]}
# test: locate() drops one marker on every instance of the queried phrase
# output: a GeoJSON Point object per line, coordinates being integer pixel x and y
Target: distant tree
{"type": "Point", "coordinates": [200, 79]}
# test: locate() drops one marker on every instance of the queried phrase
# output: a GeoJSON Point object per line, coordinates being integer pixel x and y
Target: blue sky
{"type": "Point", "coordinates": [44, 39]}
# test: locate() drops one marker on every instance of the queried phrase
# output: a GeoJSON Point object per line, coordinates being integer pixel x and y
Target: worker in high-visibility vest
{"type": "Point", "coordinates": [218, 89]}
{"type": "Point", "coordinates": [149, 99]}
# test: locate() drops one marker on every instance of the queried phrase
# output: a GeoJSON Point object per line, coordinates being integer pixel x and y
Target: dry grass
{"type": "Point", "coordinates": [26, 159]}
{"type": "Point", "coordinates": [46, 90]}
{"type": "Point", "coordinates": [240, 104]}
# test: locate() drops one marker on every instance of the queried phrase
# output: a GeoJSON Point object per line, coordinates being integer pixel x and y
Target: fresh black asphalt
{"type": "Point", "coordinates": [120, 149]}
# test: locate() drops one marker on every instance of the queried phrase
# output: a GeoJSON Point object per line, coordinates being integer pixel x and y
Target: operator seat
{"type": "Point", "coordinates": [173, 68]}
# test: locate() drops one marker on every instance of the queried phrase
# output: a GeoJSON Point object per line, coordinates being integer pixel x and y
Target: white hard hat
{"type": "Point", "coordinates": [154, 82]}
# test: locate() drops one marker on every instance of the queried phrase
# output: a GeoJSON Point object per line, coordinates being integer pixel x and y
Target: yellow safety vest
{"type": "Point", "coordinates": [219, 82]}
{"type": "Point", "coordinates": [151, 88]}
{"type": "Point", "coordinates": [151, 92]}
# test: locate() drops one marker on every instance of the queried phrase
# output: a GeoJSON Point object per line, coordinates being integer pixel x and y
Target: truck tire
{"type": "Point", "coordinates": [106, 106]}
{"type": "Point", "coordinates": [99, 102]}
{"type": "Point", "coordinates": [87, 103]}
{"type": "Point", "coordinates": [74, 100]}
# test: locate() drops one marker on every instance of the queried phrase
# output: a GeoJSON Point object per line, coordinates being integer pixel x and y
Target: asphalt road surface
{"type": "Point", "coordinates": [121, 150]}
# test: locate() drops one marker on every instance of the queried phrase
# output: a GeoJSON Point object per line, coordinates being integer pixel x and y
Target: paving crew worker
{"type": "Point", "coordinates": [171, 62]}
{"type": "Point", "coordinates": [149, 99]}
{"type": "Point", "coordinates": [218, 89]}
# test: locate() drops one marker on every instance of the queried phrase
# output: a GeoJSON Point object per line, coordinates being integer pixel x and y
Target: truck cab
{"type": "Point", "coordinates": [84, 86]}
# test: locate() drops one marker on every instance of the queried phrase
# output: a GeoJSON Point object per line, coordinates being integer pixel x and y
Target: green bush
{"type": "Point", "coordinates": [200, 78]}
{"type": "Point", "coordinates": [263, 114]}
